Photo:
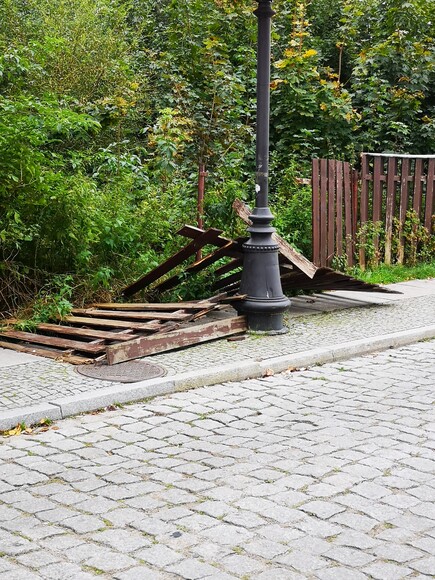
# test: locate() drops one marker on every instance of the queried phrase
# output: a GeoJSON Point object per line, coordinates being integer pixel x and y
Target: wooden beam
{"type": "Point", "coordinates": [205, 238]}
{"type": "Point", "coordinates": [86, 332]}
{"type": "Point", "coordinates": [146, 346]}
{"type": "Point", "coordinates": [64, 356]}
{"type": "Point", "coordinates": [91, 347]}
{"type": "Point", "coordinates": [107, 323]}
{"type": "Point", "coordinates": [116, 315]}
{"type": "Point", "coordinates": [286, 250]}
{"type": "Point", "coordinates": [154, 306]}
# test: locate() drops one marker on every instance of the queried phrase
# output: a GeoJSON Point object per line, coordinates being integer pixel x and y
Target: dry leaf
{"type": "Point", "coordinates": [268, 373]}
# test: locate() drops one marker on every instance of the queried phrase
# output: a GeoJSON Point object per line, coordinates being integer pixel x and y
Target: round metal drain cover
{"type": "Point", "coordinates": [127, 372]}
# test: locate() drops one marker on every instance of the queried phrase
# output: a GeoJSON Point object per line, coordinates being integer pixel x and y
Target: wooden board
{"type": "Point", "coordinates": [146, 346]}
{"type": "Point", "coordinates": [91, 347]}
{"type": "Point", "coordinates": [107, 323]}
{"type": "Point", "coordinates": [64, 356]}
{"type": "Point", "coordinates": [155, 306]}
{"type": "Point", "coordinates": [116, 315]}
{"type": "Point", "coordinates": [286, 250]}
{"type": "Point", "coordinates": [205, 238]}
{"type": "Point", "coordinates": [86, 332]}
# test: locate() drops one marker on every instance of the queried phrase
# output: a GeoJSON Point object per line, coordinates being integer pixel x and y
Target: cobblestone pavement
{"type": "Point", "coordinates": [322, 473]}
{"type": "Point", "coordinates": [45, 380]}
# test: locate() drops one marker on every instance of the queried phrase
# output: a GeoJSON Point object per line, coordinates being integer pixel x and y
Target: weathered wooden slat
{"type": "Point", "coordinates": [389, 209]}
{"type": "Point", "coordinates": [177, 339]}
{"type": "Point", "coordinates": [315, 187]}
{"type": "Point", "coordinates": [228, 267]}
{"type": "Point", "coordinates": [429, 209]}
{"type": "Point", "coordinates": [194, 233]}
{"type": "Point", "coordinates": [339, 209]}
{"type": "Point", "coordinates": [125, 314]}
{"type": "Point", "coordinates": [416, 206]}
{"type": "Point", "coordinates": [331, 211]}
{"type": "Point", "coordinates": [63, 355]}
{"type": "Point", "coordinates": [108, 323]}
{"type": "Point", "coordinates": [403, 208]}
{"type": "Point", "coordinates": [378, 170]}
{"type": "Point", "coordinates": [153, 306]}
{"type": "Point", "coordinates": [205, 238]}
{"type": "Point", "coordinates": [85, 332]}
{"type": "Point", "coordinates": [34, 338]}
{"type": "Point", "coordinates": [224, 282]}
{"type": "Point", "coordinates": [243, 211]}
{"type": "Point", "coordinates": [347, 194]}
{"type": "Point", "coordinates": [364, 206]}
{"type": "Point", "coordinates": [323, 212]}
{"type": "Point", "coordinates": [222, 252]}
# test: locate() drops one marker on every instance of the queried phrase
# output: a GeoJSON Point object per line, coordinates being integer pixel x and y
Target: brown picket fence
{"type": "Point", "coordinates": [386, 189]}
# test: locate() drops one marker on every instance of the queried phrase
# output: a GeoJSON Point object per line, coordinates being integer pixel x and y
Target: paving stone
{"type": "Point", "coordinates": [349, 556]}
{"type": "Point", "coordinates": [322, 509]}
{"type": "Point", "coordinates": [140, 573]}
{"type": "Point", "coordinates": [192, 569]}
{"type": "Point", "coordinates": [83, 524]}
{"type": "Point", "coordinates": [159, 555]}
{"type": "Point", "coordinates": [425, 565]}
{"type": "Point", "coordinates": [386, 571]}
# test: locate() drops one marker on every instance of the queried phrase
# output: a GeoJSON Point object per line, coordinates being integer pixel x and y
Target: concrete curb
{"type": "Point", "coordinates": [129, 393]}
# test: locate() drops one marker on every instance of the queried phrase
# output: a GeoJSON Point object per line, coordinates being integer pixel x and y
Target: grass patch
{"type": "Point", "coordinates": [391, 274]}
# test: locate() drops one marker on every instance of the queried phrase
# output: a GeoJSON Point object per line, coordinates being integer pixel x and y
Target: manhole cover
{"type": "Point", "coordinates": [126, 372]}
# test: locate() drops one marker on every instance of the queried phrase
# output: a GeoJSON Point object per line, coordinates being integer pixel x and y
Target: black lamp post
{"type": "Point", "coordinates": [265, 302]}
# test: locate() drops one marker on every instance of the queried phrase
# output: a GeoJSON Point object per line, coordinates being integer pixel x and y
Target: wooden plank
{"type": "Point", "coordinates": [347, 194]}
{"type": "Point", "coordinates": [315, 187]}
{"type": "Point", "coordinates": [55, 341]}
{"type": "Point", "coordinates": [194, 233]}
{"type": "Point", "coordinates": [125, 314]}
{"type": "Point", "coordinates": [416, 205]}
{"type": "Point", "coordinates": [286, 250]}
{"type": "Point", "coordinates": [107, 323]}
{"type": "Point", "coordinates": [364, 207]}
{"type": "Point", "coordinates": [331, 211]}
{"type": "Point", "coordinates": [224, 282]}
{"type": "Point", "coordinates": [65, 356]}
{"type": "Point", "coordinates": [403, 208]}
{"type": "Point", "coordinates": [205, 238]}
{"type": "Point", "coordinates": [429, 210]}
{"type": "Point", "coordinates": [177, 339]}
{"type": "Point", "coordinates": [225, 251]}
{"type": "Point", "coordinates": [339, 209]}
{"type": "Point", "coordinates": [378, 171]}
{"type": "Point", "coordinates": [153, 306]}
{"type": "Point", "coordinates": [389, 209]}
{"type": "Point", "coordinates": [86, 332]}
{"type": "Point", "coordinates": [228, 267]}
{"type": "Point", "coordinates": [323, 212]}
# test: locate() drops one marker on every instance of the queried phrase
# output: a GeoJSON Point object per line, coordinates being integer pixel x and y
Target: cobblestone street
{"type": "Point", "coordinates": [325, 473]}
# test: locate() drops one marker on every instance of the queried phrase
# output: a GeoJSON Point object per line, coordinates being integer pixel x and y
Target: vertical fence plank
{"type": "Point", "coordinates": [339, 209]}
{"type": "Point", "coordinates": [429, 210]}
{"type": "Point", "coordinates": [403, 208]}
{"type": "Point", "coordinates": [378, 173]}
{"type": "Point", "coordinates": [315, 187]}
{"type": "Point", "coordinates": [389, 208]}
{"type": "Point", "coordinates": [331, 210]}
{"type": "Point", "coordinates": [323, 212]}
{"type": "Point", "coordinates": [347, 194]}
{"type": "Point", "coordinates": [364, 206]}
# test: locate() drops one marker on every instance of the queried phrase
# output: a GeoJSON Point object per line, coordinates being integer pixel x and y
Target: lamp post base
{"type": "Point", "coordinates": [265, 303]}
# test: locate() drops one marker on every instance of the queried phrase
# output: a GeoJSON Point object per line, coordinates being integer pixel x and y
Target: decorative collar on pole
{"type": "Point", "coordinates": [264, 9]}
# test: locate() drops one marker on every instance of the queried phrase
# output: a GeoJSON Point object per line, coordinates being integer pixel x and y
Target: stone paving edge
{"type": "Point", "coordinates": [129, 393]}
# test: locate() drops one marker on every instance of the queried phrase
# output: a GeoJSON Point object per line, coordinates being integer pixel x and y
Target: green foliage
{"type": "Point", "coordinates": [107, 107]}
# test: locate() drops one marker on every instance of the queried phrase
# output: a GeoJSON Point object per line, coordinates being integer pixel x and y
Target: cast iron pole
{"type": "Point", "coordinates": [265, 303]}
